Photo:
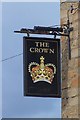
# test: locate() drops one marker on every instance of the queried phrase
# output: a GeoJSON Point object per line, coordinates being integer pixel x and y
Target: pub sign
{"type": "Point", "coordinates": [42, 71]}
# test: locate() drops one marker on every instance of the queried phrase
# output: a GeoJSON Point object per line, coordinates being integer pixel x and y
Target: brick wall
{"type": "Point", "coordinates": [70, 68]}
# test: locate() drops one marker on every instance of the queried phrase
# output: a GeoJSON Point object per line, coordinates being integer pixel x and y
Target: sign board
{"type": "Point", "coordinates": [42, 71]}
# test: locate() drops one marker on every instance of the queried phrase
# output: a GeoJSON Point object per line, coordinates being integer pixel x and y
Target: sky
{"type": "Point", "coordinates": [31, 0]}
{"type": "Point", "coordinates": [0, 60]}
{"type": "Point", "coordinates": [16, 15]}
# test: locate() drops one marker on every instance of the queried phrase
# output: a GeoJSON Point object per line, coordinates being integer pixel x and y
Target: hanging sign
{"type": "Point", "coordinates": [42, 71]}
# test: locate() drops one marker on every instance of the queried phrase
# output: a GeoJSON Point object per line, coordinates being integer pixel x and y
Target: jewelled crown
{"type": "Point", "coordinates": [42, 72]}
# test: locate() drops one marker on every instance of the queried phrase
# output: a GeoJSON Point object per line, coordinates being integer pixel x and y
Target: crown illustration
{"type": "Point", "coordinates": [42, 72]}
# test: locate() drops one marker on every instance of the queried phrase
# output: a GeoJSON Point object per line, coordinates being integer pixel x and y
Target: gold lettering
{"type": "Point", "coordinates": [46, 44]}
{"type": "Point", "coordinates": [31, 49]}
{"type": "Point", "coordinates": [41, 50]}
{"type": "Point", "coordinates": [37, 44]}
{"type": "Point", "coordinates": [51, 51]}
{"type": "Point", "coordinates": [42, 44]}
{"type": "Point", "coordinates": [45, 50]}
{"type": "Point", "coordinates": [36, 50]}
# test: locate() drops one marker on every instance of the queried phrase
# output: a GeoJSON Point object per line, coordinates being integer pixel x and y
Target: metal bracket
{"type": "Point", "coordinates": [59, 31]}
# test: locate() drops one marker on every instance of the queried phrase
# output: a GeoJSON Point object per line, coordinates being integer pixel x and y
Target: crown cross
{"type": "Point", "coordinates": [42, 62]}
{"type": "Point", "coordinates": [42, 59]}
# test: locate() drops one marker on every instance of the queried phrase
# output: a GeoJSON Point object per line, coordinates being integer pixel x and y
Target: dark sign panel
{"type": "Point", "coordinates": [41, 58]}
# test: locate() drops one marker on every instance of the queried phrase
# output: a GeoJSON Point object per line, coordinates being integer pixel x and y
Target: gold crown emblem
{"type": "Point", "coordinates": [42, 72]}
